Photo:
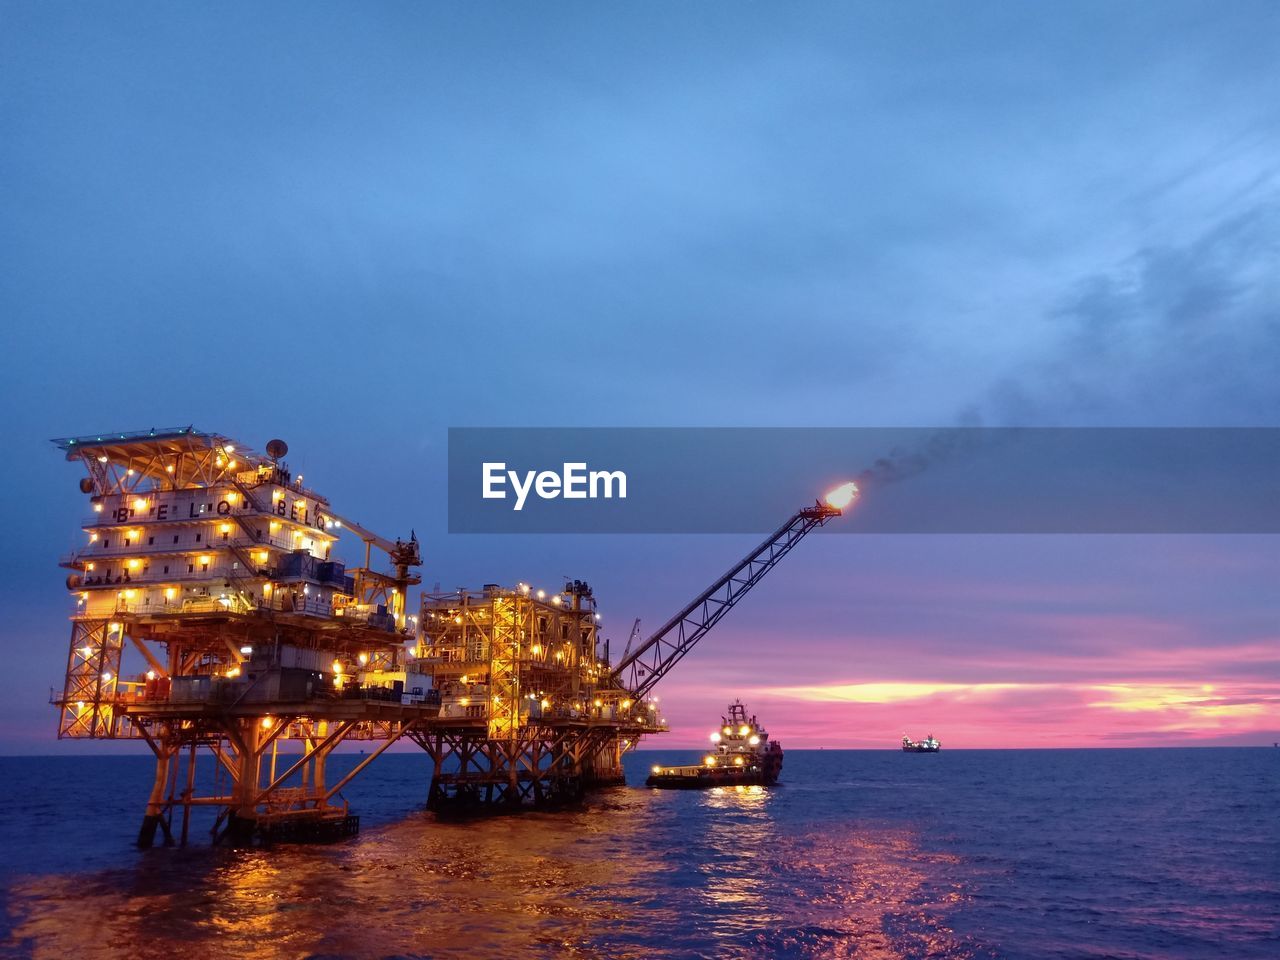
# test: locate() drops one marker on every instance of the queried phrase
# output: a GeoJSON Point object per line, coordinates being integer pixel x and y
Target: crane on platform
{"type": "Point", "coordinates": [372, 585]}
{"type": "Point", "coordinates": [632, 639]}
{"type": "Point", "coordinates": [640, 670]}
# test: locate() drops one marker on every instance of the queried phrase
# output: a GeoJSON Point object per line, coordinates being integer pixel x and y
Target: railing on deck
{"type": "Point", "coordinates": [95, 551]}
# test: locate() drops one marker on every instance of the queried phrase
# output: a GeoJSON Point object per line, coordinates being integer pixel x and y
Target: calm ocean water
{"type": "Point", "coordinates": [1036, 854]}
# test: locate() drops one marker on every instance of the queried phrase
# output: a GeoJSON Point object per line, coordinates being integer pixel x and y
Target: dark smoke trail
{"type": "Point", "coordinates": [933, 448]}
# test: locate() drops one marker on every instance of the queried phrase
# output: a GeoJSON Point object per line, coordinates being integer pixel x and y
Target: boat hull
{"type": "Point", "coordinates": [710, 778]}
{"type": "Point", "coordinates": [763, 772]}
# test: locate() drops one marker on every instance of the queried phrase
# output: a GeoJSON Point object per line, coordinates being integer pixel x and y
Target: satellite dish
{"type": "Point", "coordinates": [86, 485]}
{"type": "Point", "coordinates": [277, 449]}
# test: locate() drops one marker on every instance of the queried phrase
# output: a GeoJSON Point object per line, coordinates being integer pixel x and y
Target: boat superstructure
{"type": "Point", "coordinates": [741, 754]}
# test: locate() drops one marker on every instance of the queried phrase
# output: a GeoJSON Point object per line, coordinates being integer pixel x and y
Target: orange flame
{"type": "Point", "coordinates": [842, 496]}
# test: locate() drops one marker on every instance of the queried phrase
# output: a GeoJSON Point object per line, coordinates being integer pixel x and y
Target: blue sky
{"type": "Point", "coordinates": [355, 225]}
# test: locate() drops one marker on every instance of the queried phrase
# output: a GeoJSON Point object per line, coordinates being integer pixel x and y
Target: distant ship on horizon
{"type": "Point", "coordinates": [929, 744]}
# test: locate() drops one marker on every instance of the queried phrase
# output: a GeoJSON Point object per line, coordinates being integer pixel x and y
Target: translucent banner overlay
{"type": "Point", "coordinates": [911, 480]}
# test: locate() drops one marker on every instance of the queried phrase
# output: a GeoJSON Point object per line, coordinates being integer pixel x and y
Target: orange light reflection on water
{"type": "Point", "coordinates": [635, 875]}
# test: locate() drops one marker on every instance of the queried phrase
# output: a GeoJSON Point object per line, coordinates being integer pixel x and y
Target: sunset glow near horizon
{"type": "Point", "coordinates": [1000, 715]}
{"type": "Point", "coordinates": [1055, 653]}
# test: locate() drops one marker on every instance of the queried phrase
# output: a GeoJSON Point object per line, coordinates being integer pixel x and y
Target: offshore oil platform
{"type": "Point", "coordinates": [212, 569]}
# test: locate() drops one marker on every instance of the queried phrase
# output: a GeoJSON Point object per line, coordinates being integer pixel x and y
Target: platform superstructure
{"type": "Point", "coordinates": [214, 618]}
{"type": "Point", "coordinates": [529, 713]}
{"type": "Point", "coordinates": [212, 568]}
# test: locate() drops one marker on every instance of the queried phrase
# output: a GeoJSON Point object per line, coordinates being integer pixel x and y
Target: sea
{"type": "Point", "coordinates": [1043, 854]}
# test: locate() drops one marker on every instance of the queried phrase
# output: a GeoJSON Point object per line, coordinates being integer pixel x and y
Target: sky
{"type": "Point", "coordinates": [357, 225]}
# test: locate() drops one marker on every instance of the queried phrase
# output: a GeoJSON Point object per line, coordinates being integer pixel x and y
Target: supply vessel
{"type": "Point", "coordinates": [742, 754]}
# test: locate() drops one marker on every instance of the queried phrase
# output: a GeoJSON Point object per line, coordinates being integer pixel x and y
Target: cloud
{"type": "Point", "coordinates": [1150, 336]}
